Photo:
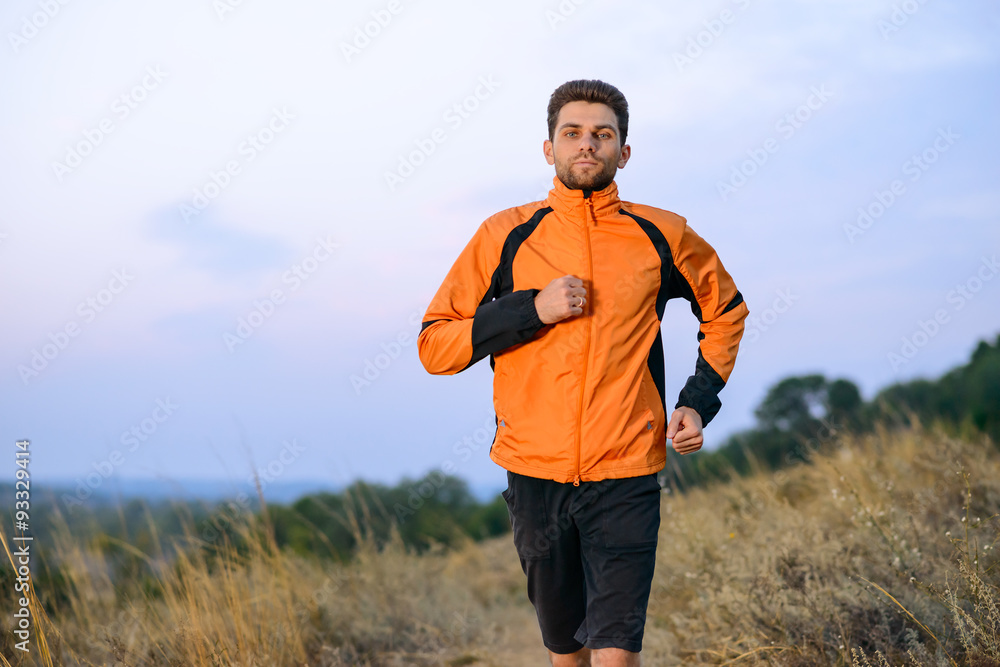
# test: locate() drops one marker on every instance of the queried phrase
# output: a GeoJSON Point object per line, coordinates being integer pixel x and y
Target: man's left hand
{"type": "Point", "coordinates": [684, 430]}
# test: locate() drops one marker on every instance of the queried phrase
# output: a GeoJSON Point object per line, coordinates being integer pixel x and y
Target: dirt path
{"type": "Point", "coordinates": [518, 644]}
{"type": "Point", "coordinates": [524, 647]}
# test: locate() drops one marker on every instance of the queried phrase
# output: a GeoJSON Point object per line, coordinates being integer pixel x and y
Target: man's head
{"type": "Point", "coordinates": [588, 123]}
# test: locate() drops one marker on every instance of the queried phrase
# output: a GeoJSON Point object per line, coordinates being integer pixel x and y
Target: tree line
{"type": "Point", "coordinates": [803, 415]}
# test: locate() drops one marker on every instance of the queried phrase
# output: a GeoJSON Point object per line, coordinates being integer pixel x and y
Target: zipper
{"type": "Point", "coordinates": [586, 347]}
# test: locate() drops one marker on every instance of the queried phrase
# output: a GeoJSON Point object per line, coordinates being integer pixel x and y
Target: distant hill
{"type": "Point", "coordinates": [156, 490]}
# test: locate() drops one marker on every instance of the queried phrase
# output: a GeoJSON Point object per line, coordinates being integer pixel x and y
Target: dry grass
{"type": "Point", "coordinates": [880, 548]}
{"type": "Point", "coordinates": [216, 605]}
{"type": "Point", "coordinates": [882, 554]}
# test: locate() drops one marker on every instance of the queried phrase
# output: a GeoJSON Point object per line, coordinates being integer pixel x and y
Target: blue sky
{"type": "Point", "coordinates": [170, 170]}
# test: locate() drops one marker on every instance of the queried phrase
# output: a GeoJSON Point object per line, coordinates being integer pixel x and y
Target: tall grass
{"type": "Point", "coordinates": [875, 550]}
{"type": "Point", "coordinates": [881, 553]}
{"type": "Point", "coordinates": [239, 600]}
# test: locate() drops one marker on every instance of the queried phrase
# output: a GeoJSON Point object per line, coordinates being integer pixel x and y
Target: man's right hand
{"type": "Point", "coordinates": [561, 298]}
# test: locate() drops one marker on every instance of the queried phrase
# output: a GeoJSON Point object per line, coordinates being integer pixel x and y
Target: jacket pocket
{"type": "Point", "coordinates": [647, 394]}
{"type": "Point", "coordinates": [500, 391]}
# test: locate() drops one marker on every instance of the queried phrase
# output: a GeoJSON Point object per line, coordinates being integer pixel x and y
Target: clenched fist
{"type": "Point", "coordinates": [685, 430]}
{"type": "Point", "coordinates": [561, 298]}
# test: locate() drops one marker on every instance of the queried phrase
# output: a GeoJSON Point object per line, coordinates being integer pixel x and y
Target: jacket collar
{"type": "Point", "coordinates": [605, 201]}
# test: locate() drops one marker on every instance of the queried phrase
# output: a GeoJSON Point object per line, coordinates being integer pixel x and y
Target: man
{"type": "Point", "coordinates": [566, 296]}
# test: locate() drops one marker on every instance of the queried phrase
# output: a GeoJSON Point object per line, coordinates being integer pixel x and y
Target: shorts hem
{"type": "Point", "coordinates": [607, 642]}
{"type": "Point", "coordinates": [563, 649]}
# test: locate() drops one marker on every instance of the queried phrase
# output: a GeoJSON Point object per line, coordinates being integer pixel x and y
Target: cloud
{"type": "Point", "coordinates": [219, 248]}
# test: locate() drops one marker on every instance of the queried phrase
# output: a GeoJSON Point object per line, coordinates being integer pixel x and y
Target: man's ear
{"type": "Point", "coordinates": [549, 155]}
{"type": "Point", "coordinates": [626, 154]}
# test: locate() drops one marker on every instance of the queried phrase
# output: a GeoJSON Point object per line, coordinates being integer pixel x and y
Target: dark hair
{"type": "Point", "coordinates": [589, 90]}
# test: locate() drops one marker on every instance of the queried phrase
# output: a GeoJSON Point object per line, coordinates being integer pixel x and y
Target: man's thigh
{"type": "Point", "coordinates": [548, 545]}
{"type": "Point", "coordinates": [618, 534]}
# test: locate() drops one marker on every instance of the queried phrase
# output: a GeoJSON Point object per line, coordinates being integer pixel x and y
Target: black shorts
{"type": "Point", "coordinates": [588, 552]}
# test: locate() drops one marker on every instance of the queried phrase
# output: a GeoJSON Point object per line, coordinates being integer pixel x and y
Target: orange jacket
{"type": "Point", "coordinates": [583, 399]}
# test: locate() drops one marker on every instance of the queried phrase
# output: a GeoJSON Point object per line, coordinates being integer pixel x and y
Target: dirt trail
{"type": "Point", "coordinates": [524, 648]}
{"type": "Point", "coordinates": [519, 645]}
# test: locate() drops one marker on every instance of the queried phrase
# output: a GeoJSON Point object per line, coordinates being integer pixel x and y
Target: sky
{"type": "Point", "coordinates": [221, 221]}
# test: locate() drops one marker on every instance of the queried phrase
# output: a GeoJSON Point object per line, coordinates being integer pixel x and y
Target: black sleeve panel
{"type": "Point", "coordinates": [428, 323]}
{"type": "Point", "coordinates": [737, 300]}
{"type": "Point", "coordinates": [503, 322]}
{"type": "Point", "coordinates": [701, 391]}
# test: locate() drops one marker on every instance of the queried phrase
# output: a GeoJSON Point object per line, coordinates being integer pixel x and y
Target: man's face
{"type": "Point", "coordinates": [586, 148]}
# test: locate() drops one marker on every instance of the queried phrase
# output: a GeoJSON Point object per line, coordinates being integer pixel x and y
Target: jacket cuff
{"type": "Point", "coordinates": [531, 313]}
{"type": "Point", "coordinates": [504, 322]}
{"type": "Point", "coordinates": [701, 392]}
{"type": "Point", "coordinates": [705, 409]}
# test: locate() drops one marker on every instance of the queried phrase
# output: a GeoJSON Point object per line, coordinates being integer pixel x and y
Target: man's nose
{"type": "Point", "coordinates": [587, 143]}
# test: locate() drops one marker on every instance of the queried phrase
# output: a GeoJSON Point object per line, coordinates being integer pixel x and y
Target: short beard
{"type": "Point", "coordinates": [598, 181]}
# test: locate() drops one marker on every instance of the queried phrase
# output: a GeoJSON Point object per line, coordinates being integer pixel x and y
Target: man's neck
{"type": "Point", "coordinates": [587, 192]}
